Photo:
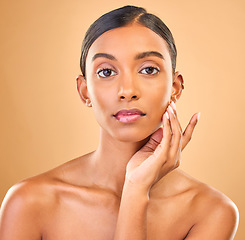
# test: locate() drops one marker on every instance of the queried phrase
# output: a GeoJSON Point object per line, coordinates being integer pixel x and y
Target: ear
{"type": "Point", "coordinates": [83, 90]}
{"type": "Point", "coordinates": [177, 87]}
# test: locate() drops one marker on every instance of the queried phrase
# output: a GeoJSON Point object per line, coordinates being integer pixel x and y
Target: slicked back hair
{"type": "Point", "coordinates": [122, 17]}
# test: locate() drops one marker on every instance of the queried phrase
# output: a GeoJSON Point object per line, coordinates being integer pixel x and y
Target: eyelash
{"type": "Point", "coordinates": [154, 68]}
{"type": "Point", "coordinates": [101, 71]}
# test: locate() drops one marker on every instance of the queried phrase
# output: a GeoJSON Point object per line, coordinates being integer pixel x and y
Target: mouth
{"type": "Point", "coordinates": [129, 115]}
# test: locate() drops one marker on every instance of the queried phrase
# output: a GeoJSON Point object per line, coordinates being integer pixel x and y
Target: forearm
{"type": "Point", "coordinates": [132, 218]}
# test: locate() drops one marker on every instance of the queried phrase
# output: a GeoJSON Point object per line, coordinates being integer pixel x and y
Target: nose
{"type": "Point", "coordinates": [128, 89]}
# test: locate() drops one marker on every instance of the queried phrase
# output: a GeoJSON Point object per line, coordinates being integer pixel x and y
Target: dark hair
{"type": "Point", "coordinates": [121, 17]}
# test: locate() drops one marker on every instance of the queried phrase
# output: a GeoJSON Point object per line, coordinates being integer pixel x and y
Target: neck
{"type": "Point", "coordinates": [110, 161]}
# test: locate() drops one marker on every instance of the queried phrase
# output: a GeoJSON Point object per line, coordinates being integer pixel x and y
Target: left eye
{"type": "Point", "coordinates": [106, 72]}
{"type": "Point", "coordinates": [150, 71]}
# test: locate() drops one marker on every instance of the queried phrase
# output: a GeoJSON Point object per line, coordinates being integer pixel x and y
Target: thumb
{"type": "Point", "coordinates": [154, 141]}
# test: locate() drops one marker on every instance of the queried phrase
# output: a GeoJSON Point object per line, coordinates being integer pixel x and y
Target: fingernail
{"type": "Point", "coordinates": [174, 106]}
{"type": "Point", "coordinates": [171, 109]}
{"type": "Point", "coordinates": [166, 113]}
{"type": "Point", "coordinates": [198, 116]}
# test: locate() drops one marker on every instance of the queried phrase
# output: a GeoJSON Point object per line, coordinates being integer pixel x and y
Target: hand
{"type": "Point", "coordinates": [161, 154]}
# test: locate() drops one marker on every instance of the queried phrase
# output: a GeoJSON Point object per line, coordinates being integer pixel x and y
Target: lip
{"type": "Point", "coordinates": [129, 115]}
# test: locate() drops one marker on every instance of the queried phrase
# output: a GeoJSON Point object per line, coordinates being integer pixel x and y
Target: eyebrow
{"type": "Point", "coordinates": [148, 54]}
{"type": "Point", "coordinates": [103, 55]}
{"type": "Point", "coordinates": [137, 57]}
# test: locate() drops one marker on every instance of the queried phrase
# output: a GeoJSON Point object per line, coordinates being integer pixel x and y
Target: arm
{"type": "Point", "coordinates": [19, 215]}
{"type": "Point", "coordinates": [157, 158]}
{"type": "Point", "coordinates": [132, 214]}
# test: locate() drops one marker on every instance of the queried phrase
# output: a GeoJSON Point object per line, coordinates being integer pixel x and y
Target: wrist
{"type": "Point", "coordinates": [137, 190]}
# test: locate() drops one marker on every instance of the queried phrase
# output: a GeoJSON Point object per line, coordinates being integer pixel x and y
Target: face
{"type": "Point", "coordinates": [129, 82]}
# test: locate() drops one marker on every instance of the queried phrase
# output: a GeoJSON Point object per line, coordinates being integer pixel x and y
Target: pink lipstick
{"type": "Point", "coordinates": [128, 115]}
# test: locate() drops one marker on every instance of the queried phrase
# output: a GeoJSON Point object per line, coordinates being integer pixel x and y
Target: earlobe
{"type": "Point", "coordinates": [88, 103]}
{"type": "Point", "coordinates": [177, 87]}
{"type": "Point", "coordinates": [83, 90]}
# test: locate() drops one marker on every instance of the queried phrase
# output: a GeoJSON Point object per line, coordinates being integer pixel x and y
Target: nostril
{"type": "Point", "coordinates": [129, 98]}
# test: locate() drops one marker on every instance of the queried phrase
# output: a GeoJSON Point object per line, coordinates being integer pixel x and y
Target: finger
{"type": "Point", "coordinates": [154, 141]}
{"type": "Point", "coordinates": [175, 112]}
{"type": "Point", "coordinates": [176, 131]}
{"type": "Point", "coordinates": [187, 135]}
{"type": "Point", "coordinates": [163, 148]}
{"type": "Point", "coordinates": [175, 148]}
{"type": "Point", "coordinates": [159, 157]}
{"type": "Point", "coordinates": [167, 133]}
{"type": "Point", "coordinates": [174, 107]}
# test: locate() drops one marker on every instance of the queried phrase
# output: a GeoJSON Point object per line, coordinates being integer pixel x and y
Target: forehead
{"type": "Point", "coordinates": [128, 41]}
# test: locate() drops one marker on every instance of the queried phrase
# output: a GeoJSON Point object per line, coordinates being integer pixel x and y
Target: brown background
{"type": "Point", "coordinates": [44, 123]}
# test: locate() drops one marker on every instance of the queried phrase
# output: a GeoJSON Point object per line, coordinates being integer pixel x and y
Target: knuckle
{"type": "Point", "coordinates": [173, 163]}
{"type": "Point", "coordinates": [168, 137]}
{"type": "Point", "coordinates": [171, 156]}
{"type": "Point", "coordinates": [180, 131]}
{"type": "Point", "coordinates": [188, 137]}
{"type": "Point", "coordinates": [177, 164]}
{"type": "Point", "coordinates": [179, 135]}
{"type": "Point", "coordinates": [181, 139]}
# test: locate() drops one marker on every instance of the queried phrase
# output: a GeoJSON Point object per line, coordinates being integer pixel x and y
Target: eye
{"type": "Point", "coordinates": [150, 70]}
{"type": "Point", "coordinates": [106, 72]}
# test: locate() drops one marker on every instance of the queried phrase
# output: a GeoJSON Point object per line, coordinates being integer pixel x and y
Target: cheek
{"type": "Point", "coordinates": [101, 97]}
{"type": "Point", "coordinates": [160, 101]}
{"type": "Point", "coordinates": [161, 94]}
{"type": "Point", "coordinates": [102, 102]}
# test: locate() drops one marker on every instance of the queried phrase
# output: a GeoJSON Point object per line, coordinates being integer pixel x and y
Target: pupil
{"type": "Point", "coordinates": [149, 70]}
{"type": "Point", "coordinates": [107, 72]}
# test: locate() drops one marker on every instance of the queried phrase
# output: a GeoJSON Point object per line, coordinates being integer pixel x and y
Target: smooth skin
{"type": "Point", "coordinates": [130, 187]}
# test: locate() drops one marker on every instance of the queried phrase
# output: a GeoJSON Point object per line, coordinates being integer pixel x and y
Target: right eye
{"type": "Point", "coordinates": [105, 72]}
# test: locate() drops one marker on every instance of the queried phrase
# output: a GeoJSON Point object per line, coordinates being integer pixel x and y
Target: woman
{"type": "Point", "coordinates": [129, 187]}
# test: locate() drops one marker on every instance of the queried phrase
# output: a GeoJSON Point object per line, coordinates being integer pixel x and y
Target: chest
{"type": "Point", "coordinates": [95, 218]}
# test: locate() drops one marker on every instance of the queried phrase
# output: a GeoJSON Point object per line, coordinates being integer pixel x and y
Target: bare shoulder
{"type": "Point", "coordinates": [22, 208]}
{"type": "Point", "coordinates": [30, 194]}
{"type": "Point", "coordinates": [31, 201]}
{"type": "Point", "coordinates": [216, 216]}
{"type": "Point", "coordinates": [29, 191]}
{"type": "Point", "coordinates": [211, 201]}
{"type": "Point", "coordinates": [41, 189]}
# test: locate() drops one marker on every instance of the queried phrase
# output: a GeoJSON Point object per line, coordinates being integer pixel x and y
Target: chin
{"type": "Point", "coordinates": [133, 135]}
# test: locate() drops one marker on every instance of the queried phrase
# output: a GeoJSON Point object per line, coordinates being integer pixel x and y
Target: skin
{"type": "Point", "coordinates": [130, 187]}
